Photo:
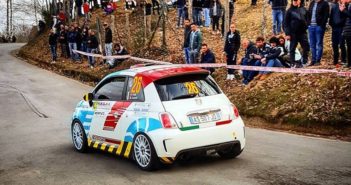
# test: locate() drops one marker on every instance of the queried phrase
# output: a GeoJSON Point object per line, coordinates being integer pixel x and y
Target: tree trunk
{"type": "Point", "coordinates": [98, 26]}
{"type": "Point", "coordinates": [7, 17]}
{"type": "Point", "coordinates": [226, 17]}
{"type": "Point", "coordinates": [164, 16]}
{"type": "Point", "coordinates": [190, 10]}
{"type": "Point", "coordinates": [128, 31]}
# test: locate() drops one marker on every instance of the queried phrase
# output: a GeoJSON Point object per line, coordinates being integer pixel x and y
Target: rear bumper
{"type": "Point", "coordinates": [174, 142]}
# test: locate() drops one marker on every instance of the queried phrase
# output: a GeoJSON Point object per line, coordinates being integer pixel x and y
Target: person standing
{"type": "Point", "coordinates": [206, 11]}
{"type": "Point", "coordinates": [295, 26]}
{"type": "Point", "coordinates": [345, 8]}
{"type": "Point", "coordinates": [86, 10]}
{"type": "Point", "coordinates": [195, 42]}
{"type": "Point", "coordinates": [319, 14]}
{"type": "Point", "coordinates": [187, 31]}
{"type": "Point", "coordinates": [231, 48]}
{"type": "Point", "coordinates": [337, 22]}
{"type": "Point", "coordinates": [207, 57]}
{"type": "Point", "coordinates": [197, 6]}
{"type": "Point", "coordinates": [53, 45]}
{"type": "Point", "coordinates": [215, 14]}
{"type": "Point", "coordinates": [92, 44]}
{"type": "Point", "coordinates": [108, 42]}
{"type": "Point", "coordinates": [278, 11]}
{"type": "Point", "coordinates": [72, 43]}
{"type": "Point", "coordinates": [181, 14]}
{"type": "Point", "coordinates": [63, 41]}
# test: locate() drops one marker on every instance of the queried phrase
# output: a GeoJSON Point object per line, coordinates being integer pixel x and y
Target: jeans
{"type": "Point", "coordinates": [271, 63]}
{"type": "Point", "coordinates": [194, 55]}
{"type": "Point", "coordinates": [91, 59]}
{"type": "Point", "coordinates": [303, 40]}
{"type": "Point", "coordinates": [187, 55]}
{"type": "Point", "coordinates": [181, 16]}
{"type": "Point", "coordinates": [84, 46]}
{"type": "Point", "coordinates": [64, 50]}
{"type": "Point", "coordinates": [73, 46]}
{"type": "Point", "coordinates": [316, 35]}
{"type": "Point", "coordinates": [249, 75]}
{"type": "Point", "coordinates": [215, 23]}
{"type": "Point", "coordinates": [197, 16]}
{"type": "Point", "coordinates": [207, 16]}
{"type": "Point", "coordinates": [53, 52]}
{"type": "Point", "coordinates": [277, 16]}
{"type": "Point", "coordinates": [348, 44]}
{"type": "Point", "coordinates": [338, 42]}
{"type": "Point", "coordinates": [108, 51]}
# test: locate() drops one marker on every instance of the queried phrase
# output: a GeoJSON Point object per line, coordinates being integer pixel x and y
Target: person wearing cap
{"type": "Point", "coordinates": [108, 42]}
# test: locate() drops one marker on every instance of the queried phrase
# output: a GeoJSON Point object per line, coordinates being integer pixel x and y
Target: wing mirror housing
{"type": "Point", "coordinates": [89, 98]}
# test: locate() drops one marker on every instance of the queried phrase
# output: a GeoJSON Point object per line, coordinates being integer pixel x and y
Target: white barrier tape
{"type": "Point", "coordinates": [217, 65]}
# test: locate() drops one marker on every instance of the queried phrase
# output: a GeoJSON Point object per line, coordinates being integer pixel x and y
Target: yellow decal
{"type": "Point", "coordinates": [166, 160]}
{"type": "Point", "coordinates": [192, 88]}
{"type": "Point", "coordinates": [136, 85]}
{"type": "Point", "coordinates": [119, 150]}
{"type": "Point", "coordinates": [95, 105]}
{"type": "Point", "coordinates": [103, 146]}
{"type": "Point", "coordinates": [111, 148]}
{"type": "Point", "coordinates": [126, 153]}
{"type": "Point", "coordinates": [96, 144]}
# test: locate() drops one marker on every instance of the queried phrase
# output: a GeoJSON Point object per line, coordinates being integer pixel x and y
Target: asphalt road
{"type": "Point", "coordinates": [36, 148]}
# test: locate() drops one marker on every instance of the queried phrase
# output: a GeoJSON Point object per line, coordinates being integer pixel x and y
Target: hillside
{"type": "Point", "coordinates": [321, 103]}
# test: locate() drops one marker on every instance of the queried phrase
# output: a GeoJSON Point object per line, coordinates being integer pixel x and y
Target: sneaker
{"type": "Point", "coordinates": [228, 77]}
{"type": "Point", "coordinates": [91, 67]}
{"type": "Point", "coordinates": [53, 62]}
{"type": "Point", "coordinates": [245, 82]}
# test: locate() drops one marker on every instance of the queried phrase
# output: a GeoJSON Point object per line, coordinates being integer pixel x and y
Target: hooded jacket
{"type": "Point", "coordinates": [296, 20]}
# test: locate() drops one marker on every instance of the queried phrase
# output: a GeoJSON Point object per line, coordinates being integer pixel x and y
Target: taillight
{"type": "Point", "coordinates": [167, 120]}
{"type": "Point", "coordinates": [236, 112]}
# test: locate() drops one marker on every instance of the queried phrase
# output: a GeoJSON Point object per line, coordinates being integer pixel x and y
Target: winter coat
{"type": "Point", "coordinates": [72, 36]}
{"type": "Point", "coordinates": [195, 41]}
{"type": "Point", "coordinates": [53, 39]}
{"type": "Point", "coordinates": [218, 8]}
{"type": "Point", "coordinates": [187, 31]}
{"type": "Point", "coordinates": [232, 43]}
{"type": "Point", "coordinates": [93, 42]}
{"type": "Point", "coordinates": [62, 37]}
{"type": "Point", "coordinates": [278, 4]}
{"type": "Point", "coordinates": [251, 49]}
{"type": "Point", "coordinates": [108, 35]}
{"type": "Point", "coordinates": [264, 50]}
{"type": "Point", "coordinates": [273, 53]}
{"type": "Point", "coordinates": [197, 4]}
{"type": "Point", "coordinates": [208, 57]}
{"type": "Point", "coordinates": [322, 13]}
{"type": "Point", "coordinates": [206, 4]}
{"type": "Point", "coordinates": [336, 20]}
{"type": "Point", "coordinates": [296, 20]}
{"type": "Point", "coordinates": [347, 28]}
{"type": "Point", "coordinates": [181, 3]}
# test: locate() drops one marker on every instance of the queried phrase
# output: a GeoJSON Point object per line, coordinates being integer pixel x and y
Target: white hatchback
{"type": "Point", "coordinates": [158, 114]}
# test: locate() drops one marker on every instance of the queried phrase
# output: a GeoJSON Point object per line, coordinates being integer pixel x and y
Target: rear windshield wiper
{"type": "Point", "coordinates": [184, 96]}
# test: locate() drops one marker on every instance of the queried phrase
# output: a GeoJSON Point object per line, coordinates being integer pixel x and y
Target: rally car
{"type": "Point", "coordinates": [157, 114]}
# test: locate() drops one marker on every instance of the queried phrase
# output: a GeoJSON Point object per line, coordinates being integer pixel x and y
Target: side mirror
{"type": "Point", "coordinates": [89, 98]}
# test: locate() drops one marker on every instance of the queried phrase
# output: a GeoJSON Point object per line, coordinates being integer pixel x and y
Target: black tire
{"type": "Point", "coordinates": [137, 153]}
{"type": "Point", "coordinates": [230, 152]}
{"type": "Point", "coordinates": [83, 146]}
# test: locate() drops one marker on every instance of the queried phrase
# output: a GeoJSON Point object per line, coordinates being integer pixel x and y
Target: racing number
{"type": "Point", "coordinates": [136, 85]}
{"type": "Point", "coordinates": [192, 88]}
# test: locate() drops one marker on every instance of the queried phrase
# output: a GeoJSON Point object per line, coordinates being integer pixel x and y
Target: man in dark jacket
{"type": "Point", "coordinates": [118, 50]}
{"type": "Point", "coordinates": [72, 43]}
{"type": "Point", "coordinates": [108, 42]}
{"type": "Point", "coordinates": [63, 41]}
{"type": "Point", "coordinates": [337, 22]}
{"type": "Point", "coordinates": [207, 57]}
{"type": "Point", "coordinates": [195, 42]}
{"type": "Point", "coordinates": [346, 32]}
{"type": "Point", "coordinates": [187, 31]}
{"type": "Point", "coordinates": [53, 44]}
{"type": "Point", "coordinates": [248, 60]}
{"type": "Point", "coordinates": [92, 44]}
{"type": "Point", "coordinates": [319, 14]}
{"type": "Point", "coordinates": [181, 14]}
{"type": "Point", "coordinates": [278, 12]}
{"type": "Point", "coordinates": [197, 7]}
{"type": "Point", "coordinates": [295, 29]}
{"type": "Point", "coordinates": [231, 48]}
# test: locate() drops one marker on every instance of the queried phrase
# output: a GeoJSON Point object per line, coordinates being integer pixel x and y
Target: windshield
{"type": "Point", "coordinates": [186, 86]}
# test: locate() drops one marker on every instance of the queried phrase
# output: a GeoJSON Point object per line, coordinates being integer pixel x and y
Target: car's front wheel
{"type": "Point", "coordinates": [78, 137]}
{"type": "Point", "coordinates": [144, 153]}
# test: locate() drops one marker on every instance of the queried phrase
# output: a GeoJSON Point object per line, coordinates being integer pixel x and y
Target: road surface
{"type": "Point", "coordinates": [36, 148]}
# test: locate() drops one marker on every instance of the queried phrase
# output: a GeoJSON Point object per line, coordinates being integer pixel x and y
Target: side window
{"type": "Point", "coordinates": [135, 89]}
{"type": "Point", "coordinates": [112, 90]}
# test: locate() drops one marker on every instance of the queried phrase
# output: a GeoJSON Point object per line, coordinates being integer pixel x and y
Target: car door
{"type": "Point", "coordinates": [108, 106]}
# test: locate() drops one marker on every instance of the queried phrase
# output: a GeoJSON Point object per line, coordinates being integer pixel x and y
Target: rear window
{"type": "Point", "coordinates": [186, 86]}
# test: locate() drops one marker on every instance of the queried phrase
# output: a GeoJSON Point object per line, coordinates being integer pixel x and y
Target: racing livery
{"type": "Point", "coordinates": [158, 114]}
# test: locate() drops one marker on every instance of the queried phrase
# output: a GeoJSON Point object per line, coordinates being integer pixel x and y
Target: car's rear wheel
{"type": "Point", "coordinates": [230, 152]}
{"type": "Point", "coordinates": [78, 137]}
{"type": "Point", "coordinates": [144, 153]}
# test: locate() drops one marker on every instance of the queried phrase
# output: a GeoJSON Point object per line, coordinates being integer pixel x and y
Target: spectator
{"type": "Point", "coordinates": [79, 4]}
{"type": "Point", "coordinates": [337, 22]}
{"type": "Point", "coordinates": [130, 4]}
{"type": "Point", "coordinates": [215, 13]}
{"type": "Point", "coordinates": [187, 31]}
{"type": "Point", "coordinates": [86, 10]}
{"type": "Point", "coordinates": [249, 60]}
{"type": "Point", "coordinates": [41, 26]}
{"type": "Point", "coordinates": [148, 11]}
{"type": "Point", "coordinates": [319, 12]}
{"type": "Point", "coordinates": [67, 28]}
{"type": "Point", "coordinates": [285, 56]}
{"type": "Point", "coordinates": [231, 48]}
{"type": "Point", "coordinates": [156, 4]}
{"type": "Point", "coordinates": [108, 42]}
{"type": "Point", "coordinates": [72, 43]}
{"type": "Point", "coordinates": [85, 36]}
{"type": "Point", "coordinates": [346, 11]}
{"type": "Point", "coordinates": [207, 57]}
{"type": "Point", "coordinates": [119, 50]}
{"type": "Point", "coordinates": [253, 2]}
{"type": "Point", "coordinates": [181, 14]}
{"type": "Point", "coordinates": [63, 41]}
{"type": "Point", "coordinates": [195, 42]}
{"type": "Point", "coordinates": [231, 10]}
{"type": "Point", "coordinates": [53, 45]}
{"type": "Point", "coordinates": [62, 16]}
{"type": "Point", "coordinates": [295, 29]}
{"type": "Point", "coordinates": [108, 9]}
{"type": "Point", "coordinates": [92, 45]}
{"type": "Point", "coordinates": [271, 58]}
{"type": "Point", "coordinates": [278, 10]}
{"type": "Point", "coordinates": [206, 10]}
{"type": "Point", "coordinates": [197, 5]}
